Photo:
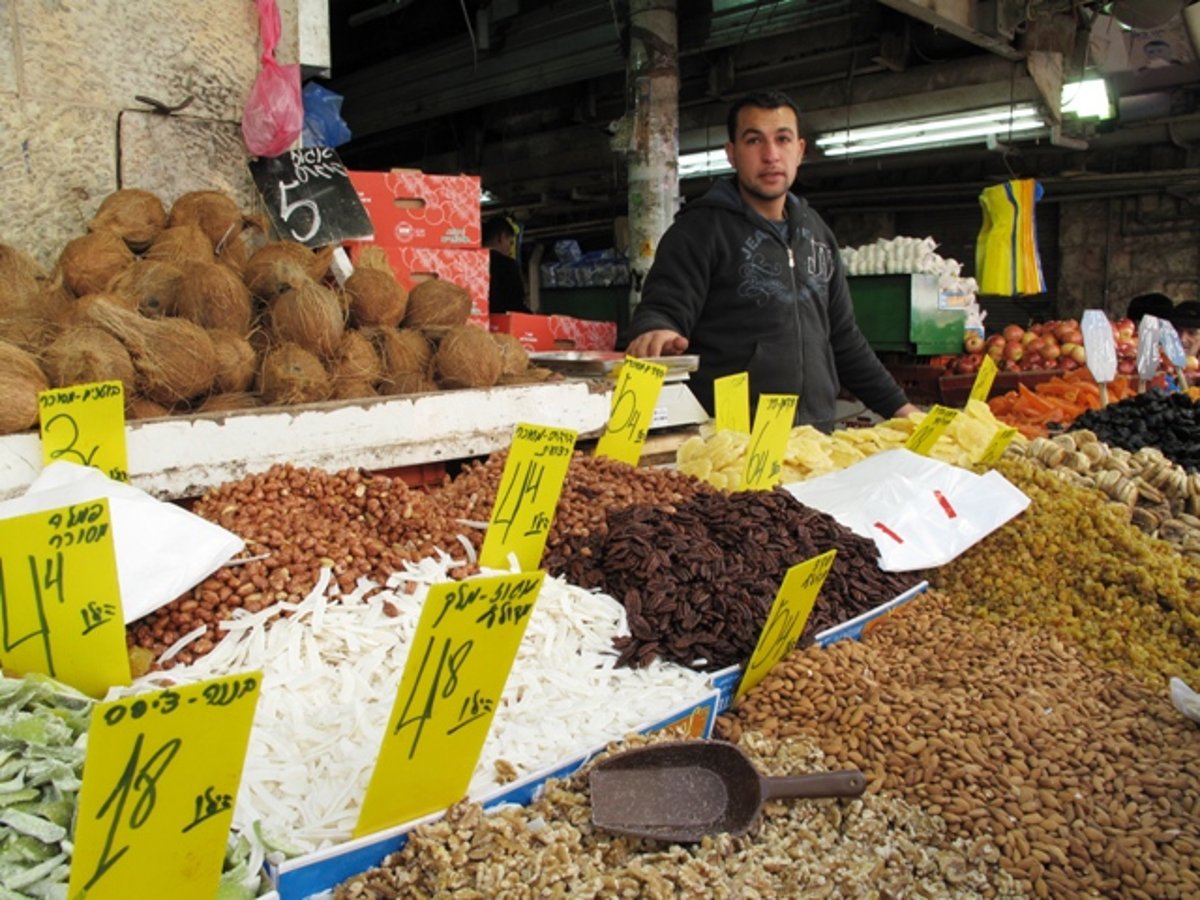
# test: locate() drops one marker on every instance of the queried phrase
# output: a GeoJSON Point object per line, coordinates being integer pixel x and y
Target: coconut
{"type": "Point", "coordinates": [376, 298]}
{"type": "Point", "coordinates": [372, 256]}
{"type": "Point", "coordinates": [133, 215]}
{"type": "Point", "coordinates": [356, 359]}
{"type": "Point", "coordinates": [175, 359]}
{"type": "Point", "coordinates": [181, 243]}
{"type": "Point", "coordinates": [402, 351]}
{"type": "Point", "coordinates": [437, 303]}
{"type": "Point", "coordinates": [291, 374]}
{"type": "Point", "coordinates": [514, 358]}
{"type": "Point", "coordinates": [21, 277]}
{"type": "Point", "coordinates": [282, 256]}
{"type": "Point", "coordinates": [20, 380]}
{"type": "Point", "coordinates": [90, 262]}
{"type": "Point", "coordinates": [237, 361]}
{"type": "Point", "coordinates": [236, 250]}
{"type": "Point", "coordinates": [353, 389]}
{"type": "Point", "coordinates": [269, 274]}
{"type": "Point", "coordinates": [216, 214]}
{"type": "Point", "coordinates": [310, 317]}
{"type": "Point", "coordinates": [467, 358]}
{"type": "Point", "coordinates": [76, 312]}
{"type": "Point", "coordinates": [31, 333]}
{"type": "Point", "coordinates": [144, 408]}
{"type": "Point", "coordinates": [153, 284]}
{"type": "Point", "coordinates": [230, 402]}
{"type": "Point", "coordinates": [408, 383]}
{"type": "Point", "coordinates": [85, 353]}
{"type": "Point", "coordinates": [214, 296]}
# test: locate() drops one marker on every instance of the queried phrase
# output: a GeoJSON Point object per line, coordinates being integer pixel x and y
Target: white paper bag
{"type": "Point", "coordinates": [162, 549]}
{"type": "Point", "coordinates": [921, 513]}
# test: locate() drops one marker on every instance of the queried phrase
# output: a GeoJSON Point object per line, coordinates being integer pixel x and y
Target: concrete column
{"type": "Point", "coordinates": [652, 146]}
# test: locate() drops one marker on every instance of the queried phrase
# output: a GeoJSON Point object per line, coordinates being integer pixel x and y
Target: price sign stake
{"type": "Point", "coordinates": [85, 424]}
{"type": "Point", "coordinates": [932, 427]}
{"type": "Point", "coordinates": [466, 640]}
{"type": "Point", "coordinates": [634, 397]}
{"type": "Point", "coordinates": [983, 380]}
{"type": "Point", "coordinates": [159, 783]}
{"type": "Point", "coordinates": [997, 445]}
{"type": "Point", "coordinates": [60, 600]}
{"type": "Point", "coordinates": [768, 442]}
{"type": "Point", "coordinates": [731, 397]}
{"type": "Point", "coordinates": [789, 614]}
{"type": "Point", "coordinates": [528, 495]}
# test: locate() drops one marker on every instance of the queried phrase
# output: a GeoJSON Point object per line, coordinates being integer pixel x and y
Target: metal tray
{"type": "Point", "coordinates": [602, 362]}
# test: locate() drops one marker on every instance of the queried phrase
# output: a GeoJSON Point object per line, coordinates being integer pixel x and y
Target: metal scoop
{"type": "Point", "coordinates": [681, 791]}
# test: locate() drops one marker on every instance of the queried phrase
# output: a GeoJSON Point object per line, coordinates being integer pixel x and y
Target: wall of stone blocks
{"type": "Point", "coordinates": [72, 128]}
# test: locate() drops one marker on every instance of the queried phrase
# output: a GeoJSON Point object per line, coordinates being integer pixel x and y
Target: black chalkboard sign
{"type": "Point", "coordinates": [309, 197]}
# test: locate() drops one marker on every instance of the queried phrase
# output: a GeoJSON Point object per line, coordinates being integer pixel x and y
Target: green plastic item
{"type": "Point", "coordinates": [907, 314]}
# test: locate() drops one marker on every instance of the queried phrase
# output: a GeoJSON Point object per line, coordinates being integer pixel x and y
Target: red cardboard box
{"type": "Point", "coordinates": [466, 268]}
{"type": "Point", "coordinates": [531, 330]}
{"type": "Point", "coordinates": [584, 334]}
{"type": "Point", "coordinates": [411, 209]}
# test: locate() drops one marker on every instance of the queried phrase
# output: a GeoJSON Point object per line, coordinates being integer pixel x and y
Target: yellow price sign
{"type": "Point", "coordinates": [983, 380]}
{"type": "Point", "coordinates": [932, 427]}
{"type": "Point", "coordinates": [634, 397]}
{"type": "Point", "coordinates": [996, 446]}
{"type": "Point", "coordinates": [85, 424]}
{"type": "Point", "coordinates": [768, 442]}
{"type": "Point", "coordinates": [789, 614]}
{"type": "Point", "coordinates": [528, 495]}
{"type": "Point", "coordinates": [465, 643]}
{"type": "Point", "coordinates": [731, 397]}
{"type": "Point", "coordinates": [159, 784]}
{"type": "Point", "coordinates": [60, 600]}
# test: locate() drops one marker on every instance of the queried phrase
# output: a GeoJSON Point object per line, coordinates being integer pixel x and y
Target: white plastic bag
{"type": "Point", "coordinates": [162, 549]}
{"type": "Point", "coordinates": [920, 512]}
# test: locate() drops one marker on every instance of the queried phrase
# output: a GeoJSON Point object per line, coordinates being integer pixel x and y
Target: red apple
{"type": "Point", "coordinates": [1125, 328]}
{"type": "Point", "coordinates": [1013, 332]}
{"type": "Point", "coordinates": [1028, 337]}
{"type": "Point", "coordinates": [1037, 345]}
{"type": "Point", "coordinates": [1051, 352]}
{"type": "Point", "coordinates": [1126, 349]}
{"type": "Point", "coordinates": [1014, 351]}
{"type": "Point", "coordinates": [1037, 328]}
{"type": "Point", "coordinates": [1031, 361]}
{"type": "Point", "coordinates": [1127, 367]}
{"type": "Point", "coordinates": [1067, 363]}
{"type": "Point", "coordinates": [996, 351]}
{"type": "Point", "coordinates": [973, 342]}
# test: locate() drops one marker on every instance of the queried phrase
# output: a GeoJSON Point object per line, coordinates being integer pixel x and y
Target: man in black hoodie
{"type": "Point", "coordinates": [750, 278]}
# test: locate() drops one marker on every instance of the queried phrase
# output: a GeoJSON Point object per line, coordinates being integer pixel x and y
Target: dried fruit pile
{"type": "Point", "coordinates": [1167, 422]}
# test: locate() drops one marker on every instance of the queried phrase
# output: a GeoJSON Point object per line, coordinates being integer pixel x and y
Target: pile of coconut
{"type": "Point", "coordinates": [196, 308]}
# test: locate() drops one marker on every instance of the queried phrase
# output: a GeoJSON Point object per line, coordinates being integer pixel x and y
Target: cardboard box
{"type": "Point", "coordinates": [531, 330]}
{"type": "Point", "coordinates": [411, 209]}
{"type": "Point", "coordinates": [583, 334]}
{"type": "Point", "coordinates": [412, 265]}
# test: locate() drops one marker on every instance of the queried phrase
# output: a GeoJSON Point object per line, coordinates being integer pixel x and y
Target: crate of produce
{"type": "Point", "coordinates": [953, 390]}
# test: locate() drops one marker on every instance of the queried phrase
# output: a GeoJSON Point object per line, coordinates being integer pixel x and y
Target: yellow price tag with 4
{"type": "Point", "coordinates": [461, 654]}
{"type": "Point", "coordinates": [85, 424]}
{"type": "Point", "coordinates": [932, 427]}
{"type": "Point", "coordinates": [789, 614]}
{"type": "Point", "coordinates": [159, 784]}
{"type": "Point", "coordinates": [984, 379]}
{"type": "Point", "coordinates": [634, 397]}
{"type": "Point", "coordinates": [528, 495]}
{"type": "Point", "coordinates": [768, 442]}
{"type": "Point", "coordinates": [731, 397]}
{"type": "Point", "coordinates": [60, 600]}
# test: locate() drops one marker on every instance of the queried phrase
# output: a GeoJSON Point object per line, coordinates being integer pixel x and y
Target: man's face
{"type": "Point", "coordinates": [766, 152]}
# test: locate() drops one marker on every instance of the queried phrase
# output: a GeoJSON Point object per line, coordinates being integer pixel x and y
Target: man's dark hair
{"type": "Point", "coordinates": [494, 227]}
{"type": "Point", "coordinates": [1151, 304]}
{"type": "Point", "coordinates": [759, 100]}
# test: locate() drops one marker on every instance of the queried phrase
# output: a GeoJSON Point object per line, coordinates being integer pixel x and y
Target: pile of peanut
{"type": "Point", "coordinates": [1077, 779]}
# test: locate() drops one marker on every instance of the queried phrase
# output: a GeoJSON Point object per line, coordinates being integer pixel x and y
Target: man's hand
{"type": "Point", "coordinates": [662, 342]}
{"type": "Point", "coordinates": [905, 411]}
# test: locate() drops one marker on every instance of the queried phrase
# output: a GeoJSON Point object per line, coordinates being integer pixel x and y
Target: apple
{"type": "Point", "coordinates": [1127, 367]}
{"type": "Point", "coordinates": [1126, 348]}
{"type": "Point", "coordinates": [1051, 352]}
{"type": "Point", "coordinates": [969, 363]}
{"type": "Point", "coordinates": [1125, 328]}
{"type": "Point", "coordinates": [1014, 351]}
{"type": "Point", "coordinates": [1013, 332]}
{"type": "Point", "coordinates": [1037, 345]}
{"type": "Point", "coordinates": [995, 351]}
{"type": "Point", "coordinates": [1011, 365]}
{"type": "Point", "coordinates": [1068, 363]}
{"type": "Point", "coordinates": [1028, 337]}
{"type": "Point", "coordinates": [1079, 354]}
{"type": "Point", "coordinates": [973, 342]}
{"type": "Point", "coordinates": [1031, 360]}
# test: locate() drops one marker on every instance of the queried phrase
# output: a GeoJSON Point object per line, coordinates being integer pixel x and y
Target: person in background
{"type": "Point", "coordinates": [751, 279]}
{"type": "Point", "coordinates": [1186, 319]}
{"type": "Point", "coordinates": [506, 287]}
{"type": "Point", "coordinates": [1151, 304]}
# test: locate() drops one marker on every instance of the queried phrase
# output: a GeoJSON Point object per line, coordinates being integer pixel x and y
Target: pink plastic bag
{"type": "Point", "coordinates": [274, 113]}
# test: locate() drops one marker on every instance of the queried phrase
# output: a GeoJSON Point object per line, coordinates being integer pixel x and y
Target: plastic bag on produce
{"type": "Point", "coordinates": [920, 512]}
{"type": "Point", "coordinates": [1099, 344]}
{"type": "Point", "coordinates": [162, 549]}
{"type": "Point", "coordinates": [274, 113]}
{"type": "Point", "coordinates": [1147, 350]}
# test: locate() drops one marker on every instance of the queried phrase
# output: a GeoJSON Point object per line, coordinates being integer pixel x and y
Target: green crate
{"type": "Point", "coordinates": [906, 313]}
